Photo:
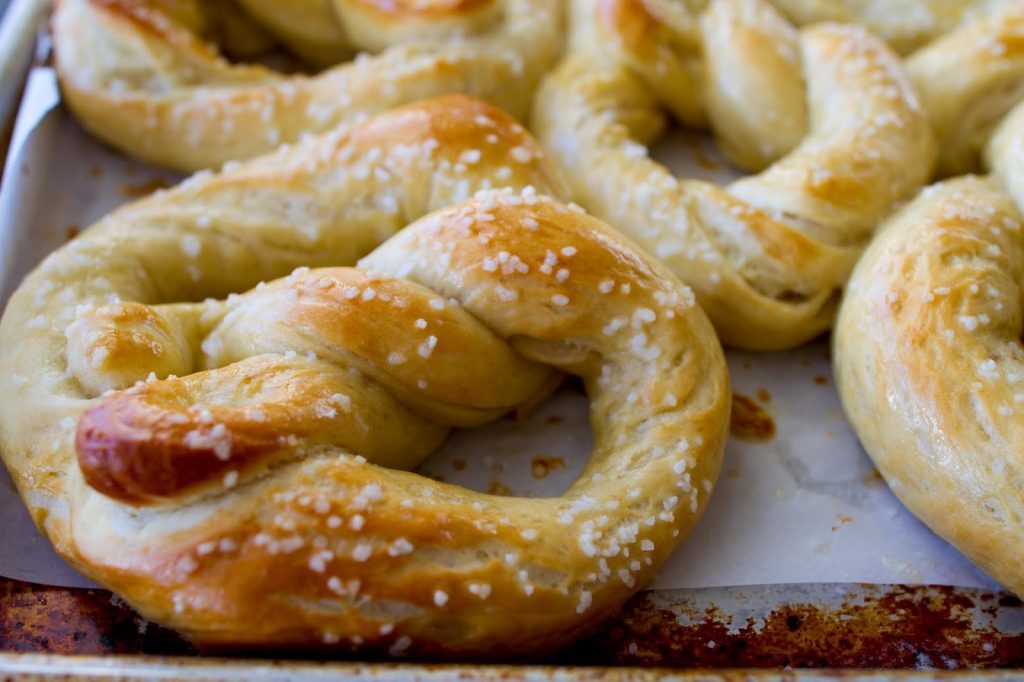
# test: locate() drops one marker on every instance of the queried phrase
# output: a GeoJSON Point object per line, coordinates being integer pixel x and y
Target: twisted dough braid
{"type": "Point", "coordinates": [251, 499]}
{"type": "Point", "coordinates": [929, 362]}
{"type": "Point", "coordinates": [767, 255]}
{"type": "Point", "coordinates": [141, 78]}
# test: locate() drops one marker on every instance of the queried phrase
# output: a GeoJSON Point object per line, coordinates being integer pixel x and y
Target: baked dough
{"type": "Point", "coordinates": [968, 80]}
{"type": "Point", "coordinates": [144, 81]}
{"type": "Point", "coordinates": [766, 255]}
{"type": "Point", "coordinates": [235, 504]}
{"type": "Point", "coordinates": [905, 24]}
{"type": "Point", "coordinates": [929, 362]}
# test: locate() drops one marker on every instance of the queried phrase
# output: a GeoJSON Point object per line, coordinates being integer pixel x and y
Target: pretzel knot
{"type": "Point", "coordinates": [236, 468]}
{"type": "Point", "coordinates": [830, 107]}
{"type": "Point", "coordinates": [144, 77]}
{"type": "Point", "coordinates": [929, 361]}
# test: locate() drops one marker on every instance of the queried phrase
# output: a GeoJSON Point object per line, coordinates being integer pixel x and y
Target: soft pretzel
{"type": "Point", "coordinates": [968, 80]}
{"type": "Point", "coordinates": [249, 500]}
{"type": "Point", "coordinates": [968, 68]}
{"type": "Point", "coordinates": [929, 362]}
{"type": "Point", "coordinates": [905, 24]}
{"type": "Point", "coordinates": [143, 79]}
{"type": "Point", "coordinates": [767, 255]}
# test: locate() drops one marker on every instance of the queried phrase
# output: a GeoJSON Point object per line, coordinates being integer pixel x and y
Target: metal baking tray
{"type": "Point", "coordinates": [730, 632]}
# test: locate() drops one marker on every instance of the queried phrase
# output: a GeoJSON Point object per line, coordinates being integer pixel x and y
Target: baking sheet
{"type": "Point", "coordinates": [804, 506]}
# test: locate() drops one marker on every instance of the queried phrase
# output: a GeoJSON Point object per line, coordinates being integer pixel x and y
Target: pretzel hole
{"type": "Point", "coordinates": [693, 154]}
{"type": "Point", "coordinates": [514, 458]}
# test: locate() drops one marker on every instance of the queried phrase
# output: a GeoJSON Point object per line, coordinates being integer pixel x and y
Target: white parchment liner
{"type": "Point", "coordinates": [803, 507]}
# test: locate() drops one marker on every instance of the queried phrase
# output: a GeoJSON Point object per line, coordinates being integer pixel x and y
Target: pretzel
{"type": "Point", "coordinates": [766, 255]}
{"type": "Point", "coordinates": [143, 79]}
{"type": "Point", "coordinates": [905, 24]}
{"type": "Point", "coordinates": [251, 499]}
{"type": "Point", "coordinates": [928, 357]}
{"type": "Point", "coordinates": [969, 79]}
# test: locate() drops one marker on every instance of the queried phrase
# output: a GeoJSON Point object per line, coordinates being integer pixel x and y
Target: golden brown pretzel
{"type": "Point", "coordinates": [250, 501]}
{"type": "Point", "coordinates": [142, 79]}
{"type": "Point", "coordinates": [968, 80]}
{"type": "Point", "coordinates": [736, 66]}
{"type": "Point", "coordinates": [904, 24]}
{"type": "Point", "coordinates": [767, 255]}
{"type": "Point", "coordinates": [929, 362]}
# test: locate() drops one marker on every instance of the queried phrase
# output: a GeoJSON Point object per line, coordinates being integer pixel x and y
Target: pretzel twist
{"type": "Point", "coordinates": [141, 77]}
{"type": "Point", "coordinates": [767, 255]}
{"type": "Point", "coordinates": [929, 361]}
{"type": "Point", "coordinates": [250, 501]}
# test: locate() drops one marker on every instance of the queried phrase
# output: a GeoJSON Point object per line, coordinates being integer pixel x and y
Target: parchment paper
{"type": "Point", "coordinates": [805, 506]}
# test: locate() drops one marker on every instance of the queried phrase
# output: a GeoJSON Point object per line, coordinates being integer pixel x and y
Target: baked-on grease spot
{"type": "Point", "coordinates": [542, 465]}
{"type": "Point", "coordinates": [553, 420]}
{"type": "Point", "coordinates": [749, 420]}
{"type": "Point", "coordinates": [841, 520]}
{"type": "Point", "coordinates": [695, 146]}
{"type": "Point", "coordinates": [496, 487]}
{"type": "Point", "coordinates": [873, 479]}
{"type": "Point", "coordinates": [143, 188]}
{"type": "Point", "coordinates": [732, 473]}
{"type": "Point", "coordinates": [72, 232]}
{"type": "Point", "coordinates": [763, 395]}
{"type": "Point", "coordinates": [459, 464]}
{"type": "Point", "coordinates": [821, 380]}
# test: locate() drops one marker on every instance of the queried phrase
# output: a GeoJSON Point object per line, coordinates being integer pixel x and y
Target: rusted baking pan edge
{"type": "Point", "coordinates": [33, 667]}
{"type": "Point", "coordinates": [777, 626]}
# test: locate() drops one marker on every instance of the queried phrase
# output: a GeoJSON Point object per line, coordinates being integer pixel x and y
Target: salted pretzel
{"type": "Point", "coordinates": [147, 80]}
{"type": "Point", "coordinates": [233, 467]}
{"type": "Point", "coordinates": [968, 80]}
{"type": "Point", "coordinates": [905, 24]}
{"type": "Point", "coordinates": [929, 362]}
{"type": "Point", "coordinates": [766, 255]}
